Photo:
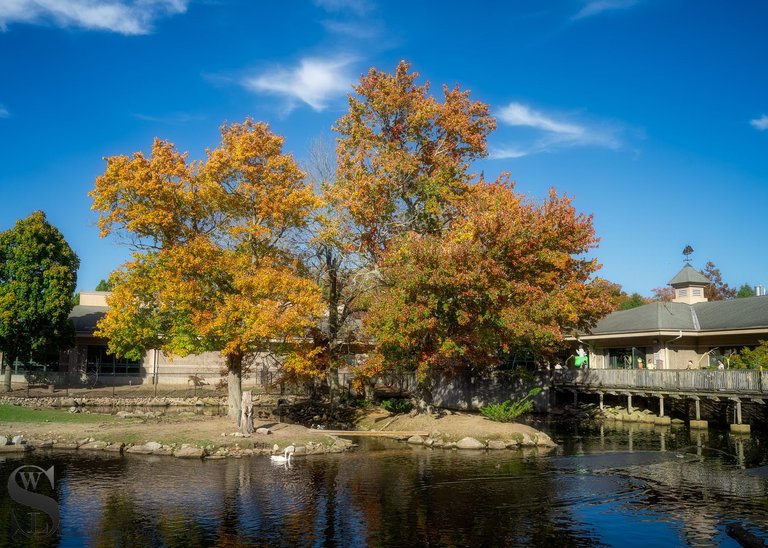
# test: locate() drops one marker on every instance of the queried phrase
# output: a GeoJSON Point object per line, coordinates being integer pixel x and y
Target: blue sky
{"type": "Point", "coordinates": [653, 114]}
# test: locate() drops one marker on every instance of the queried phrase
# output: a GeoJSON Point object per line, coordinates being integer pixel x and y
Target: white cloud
{"type": "Point", "coordinates": [313, 81]}
{"type": "Point", "coordinates": [121, 16]}
{"type": "Point", "coordinates": [517, 114]}
{"type": "Point", "coordinates": [760, 123]}
{"type": "Point", "coordinates": [359, 7]}
{"type": "Point", "coordinates": [596, 7]}
{"type": "Point", "coordinates": [4, 112]}
{"type": "Point", "coordinates": [552, 132]}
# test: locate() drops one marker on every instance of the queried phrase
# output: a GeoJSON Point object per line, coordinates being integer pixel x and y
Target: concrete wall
{"type": "Point", "coordinates": [465, 394]}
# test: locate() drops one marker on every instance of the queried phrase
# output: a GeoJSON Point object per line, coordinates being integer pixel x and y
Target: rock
{"type": "Point", "coordinates": [496, 444]}
{"type": "Point", "coordinates": [678, 421]}
{"type": "Point", "coordinates": [526, 440]}
{"type": "Point", "coordinates": [543, 440]}
{"type": "Point", "coordinates": [153, 445]}
{"type": "Point", "coordinates": [276, 449]}
{"type": "Point", "coordinates": [429, 442]}
{"type": "Point", "coordinates": [164, 450]}
{"type": "Point", "coordinates": [512, 444]}
{"type": "Point", "coordinates": [94, 446]}
{"type": "Point", "coordinates": [18, 440]}
{"type": "Point", "coordinates": [139, 449]}
{"type": "Point", "coordinates": [189, 453]}
{"type": "Point", "coordinates": [3, 441]}
{"type": "Point", "coordinates": [300, 450]}
{"type": "Point", "coordinates": [64, 445]}
{"type": "Point", "coordinates": [469, 443]}
{"type": "Point", "coordinates": [74, 409]}
{"type": "Point", "coordinates": [416, 440]}
{"type": "Point", "coordinates": [115, 448]}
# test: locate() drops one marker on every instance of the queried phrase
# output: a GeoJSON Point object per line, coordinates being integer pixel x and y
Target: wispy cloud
{"type": "Point", "coordinates": [128, 17]}
{"type": "Point", "coordinates": [4, 112]}
{"type": "Point", "coordinates": [596, 7]}
{"type": "Point", "coordinates": [314, 81]}
{"type": "Point", "coordinates": [518, 114]}
{"type": "Point", "coordinates": [359, 7]}
{"type": "Point", "coordinates": [171, 118]}
{"type": "Point", "coordinates": [552, 132]}
{"type": "Point", "coordinates": [761, 123]}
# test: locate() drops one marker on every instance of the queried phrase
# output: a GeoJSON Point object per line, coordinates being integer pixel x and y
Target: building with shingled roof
{"type": "Point", "coordinates": [667, 335]}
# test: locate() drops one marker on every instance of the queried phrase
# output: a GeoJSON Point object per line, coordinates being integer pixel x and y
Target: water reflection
{"type": "Point", "coordinates": [667, 486]}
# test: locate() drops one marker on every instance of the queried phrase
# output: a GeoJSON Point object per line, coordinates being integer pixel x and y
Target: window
{"type": "Point", "coordinates": [682, 292]}
{"type": "Point", "coordinates": [101, 361]}
{"type": "Point", "coordinates": [625, 358]}
{"type": "Point", "coordinates": [696, 292]}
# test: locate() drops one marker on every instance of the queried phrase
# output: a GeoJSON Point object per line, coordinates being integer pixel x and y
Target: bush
{"type": "Point", "coordinates": [508, 411]}
{"type": "Point", "coordinates": [396, 406]}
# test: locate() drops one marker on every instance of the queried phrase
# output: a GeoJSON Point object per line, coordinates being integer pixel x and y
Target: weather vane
{"type": "Point", "coordinates": [687, 252]}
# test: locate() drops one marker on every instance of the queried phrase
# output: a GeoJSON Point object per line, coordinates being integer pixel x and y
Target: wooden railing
{"type": "Point", "coordinates": [742, 381]}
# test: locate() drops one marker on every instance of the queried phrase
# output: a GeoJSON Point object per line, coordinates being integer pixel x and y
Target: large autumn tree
{"type": "Point", "coordinates": [213, 267]}
{"type": "Point", "coordinates": [466, 269]}
{"type": "Point", "coordinates": [404, 156]}
{"type": "Point", "coordinates": [38, 275]}
{"type": "Point", "coordinates": [507, 273]}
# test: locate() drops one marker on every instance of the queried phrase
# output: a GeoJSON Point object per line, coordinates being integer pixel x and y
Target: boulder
{"type": "Point", "coordinates": [496, 444]}
{"type": "Point", "coordinates": [153, 445]}
{"type": "Point", "coordinates": [189, 453]}
{"type": "Point", "coordinates": [64, 445]}
{"type": "Point", "coordinates": [263, 430]}
{"type": "Point", "coordinates": [416, 440]}
{"type": "Point", "coordinates": [469, 443]}
{"type": "Point", "coordinates": [140, 450]}
{"type": "Point", "coordinates": [543, 440]}
{"type": "Point", "coordinates": [115, 447]}
{"type": "Point", "coordinates": [94, 446]}
{"type": "Point", "coordinates": [18, 440]}
{"type": "Point", "coordinates": [3, 440]}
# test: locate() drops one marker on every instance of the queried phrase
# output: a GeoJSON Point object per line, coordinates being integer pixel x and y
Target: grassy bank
{"type": "Point", "coordinates": [16, 414]}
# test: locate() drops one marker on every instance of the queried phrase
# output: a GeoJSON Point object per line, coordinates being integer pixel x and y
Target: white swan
{"type": "Point", "coordinates": [285, 458]}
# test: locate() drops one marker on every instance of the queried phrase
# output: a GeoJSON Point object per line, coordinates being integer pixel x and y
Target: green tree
{"type": "Point", "coordinates": [751, 358]}
{"type": "Point", "coordinates": [745, 291]}
{"type": "Point", "coordinates": [38, 275]}
{"type": "Point", "coordinates": [104, 285]}
{"type": "Point", "coordinates": [632, 301]}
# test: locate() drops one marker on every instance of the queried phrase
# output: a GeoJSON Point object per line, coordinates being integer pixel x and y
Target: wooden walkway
{"type": "Point", "coordinates": [736, 383]}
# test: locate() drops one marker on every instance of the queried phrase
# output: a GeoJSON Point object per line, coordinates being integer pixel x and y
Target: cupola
{"type": "Point", "coordinates": [689, 285]}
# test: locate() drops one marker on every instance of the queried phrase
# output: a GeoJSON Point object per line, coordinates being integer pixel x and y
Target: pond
{"type": "Point", "coordinates": [601, 487]}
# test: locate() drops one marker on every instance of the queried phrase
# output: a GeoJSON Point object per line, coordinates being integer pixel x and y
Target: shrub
{"type": "Point", "coordinates": [508, 411]}
{"type": "Point", "coordinates": [396, 406]}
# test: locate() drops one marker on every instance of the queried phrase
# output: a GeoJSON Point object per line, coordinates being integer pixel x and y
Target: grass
{"type": "Point", "coordinates": [16, 414]}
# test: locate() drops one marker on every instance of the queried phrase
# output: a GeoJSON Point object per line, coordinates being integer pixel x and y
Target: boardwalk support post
{"type": "Point", "coordinates": [738, 427]}
{"type": "Point", "coordinates": [697, 422]}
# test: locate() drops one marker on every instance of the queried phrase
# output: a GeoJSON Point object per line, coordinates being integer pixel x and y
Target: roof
{"type": "Point", "coordinates": [689, 275]}
{"type": "Point", "coordinates": [734, 314]}
{"type": "Point", "coordinates": [85, 317]}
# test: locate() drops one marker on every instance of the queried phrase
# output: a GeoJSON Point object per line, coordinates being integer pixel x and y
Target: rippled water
{"type": "Point", "coordinates": [600, 488]}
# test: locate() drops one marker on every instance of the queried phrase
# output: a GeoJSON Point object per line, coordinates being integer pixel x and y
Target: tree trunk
{"type": "Point", "coordinates": [8, 372]}
{"type": "Point", "coordinates": [235, 386]}
{"type": "Point", "coordinates": [246, 416]}
{"type": "Point", "coordinates": [425, 396]}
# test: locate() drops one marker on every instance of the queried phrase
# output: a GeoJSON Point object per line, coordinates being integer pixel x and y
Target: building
{"type": "Point", "coordinates": [667, 335]}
